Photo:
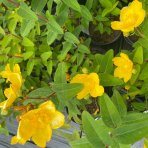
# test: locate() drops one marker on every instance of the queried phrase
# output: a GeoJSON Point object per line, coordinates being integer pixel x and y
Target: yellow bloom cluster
{"type": "Point", "coordinates": [91, 85]}
{"type": "Point", "coordinates": [15, 79]}
{"type": "Point", "coordinates": [130, 18]}
{"type": "Point", "coordinates": [124, 67]}
{"type": "Point", "coordinates": [38, 124]}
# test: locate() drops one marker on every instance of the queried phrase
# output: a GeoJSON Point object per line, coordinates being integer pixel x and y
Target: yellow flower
{"type": "Point", "coordinates": [13, 76]}
{"type": "Point", "coordinates": [124, 67]}
{"type": "Point", "coordinates": [130, 18]}
{"type": "Point", "coordinates": [38, 124]}
{"type": "Point", "coordinates": [91, 85]}
{"type": "Point", "coordinates": [16, 82]}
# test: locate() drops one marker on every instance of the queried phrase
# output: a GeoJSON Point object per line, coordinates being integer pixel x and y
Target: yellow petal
{"type": "Point", "coordinates": [16, 80]}
{"type": "Point", "coordinates": [118, 72]}
{"type": "Point", "coordinates": [127, 76]}
{"type": "Point", "coordinates": [2, 104]}
{"type": "Point", "coordinates": [135, 5]}
{"type": "Point", "coordinates": [57, 120]}
{"type": "Point", "coordinates": [116, 25]}
{"type": "Point", "coordinates": [30, 115]}
{"type": "Point", "coordinates": [140, 19]}
{"type": "Point", "coordinates": [83, 79]}
{"type": "Point", "coordinates": [123, 55]}
{"type": "Point", "coordinates": [124, 12]}
{"type": "Point", "coordinates": [41, 136]}
{"type": "Point", "coordinates": [5, 74]}
{"type": "Point", "coordinates": [94, 77]}
{"type": "Point", "coordinates": [10, 94]}
{"type": "Point", "coordinates": [16, 68]}
{"type": "Point", "coordinates": [26, 129]}
{"type": "Point", "coordinates": [83, 93]}
{"type": "Point", "coordinates": [14, 140]}
{"type": "Point", "coordinates": [48, 105]}
{"type": "Point", "coordinates": [79, 78]}
{"type": "Point", "coordinates": [118, 61]}
{"type": "Point", "coordinates": [97, 91]}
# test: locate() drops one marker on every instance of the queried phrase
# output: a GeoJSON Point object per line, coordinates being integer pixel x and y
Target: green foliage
{"type": "Point", "coordinates": [80, 143]}
{"type": "Point", "coordinates": [109, 112]}
{"type": "Point", "coordinates": [131, 133]}
{"type": "Point", "coordinates": [73, 4]}
{"type": "Point", "coordinates": [138, 57]}
{"type": "Point", "coordinates": [109, 80]}
{"type": "Point", "coordinates": [119, 103]}
{"type": "Point", "coordinates": [26, 13]}
{"type": "Point", "coordinates": [67, 91]}
{"type": "Point", "coordinates": [42, 92]}
{"type": "Point", "coordinates": [38, 6]}
{"type": "Point", "coordinates": [50, 42]}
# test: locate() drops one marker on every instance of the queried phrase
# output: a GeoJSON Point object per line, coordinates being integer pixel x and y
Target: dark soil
{"type": "Point", "coordinates": [103, 39]}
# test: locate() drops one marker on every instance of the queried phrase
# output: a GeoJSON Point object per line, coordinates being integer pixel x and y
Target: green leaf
{"type": "Point", "coordinates": [2, 31]}
{"type": "Point", "coordinates": [27, 55]}
{"type": "Point", "coordinates": [119, 103]}
{"type": "Point", "coordinates": [49, 67]}
{"type": "Point", "coordinates": [54, 26]}
{"type": "Point", "coordinates": [81, 143]}
{"type": "Point", "coordinates": [72, 4]}
{"type": "Point", "coordinates": [106, 3]}
{"type": "Point", "coordinates": [67, 91]}
{"type": "Point", "coordinates": [45, 56]}
{"type": "Point", "coordinates": [134, 77]}
{"type": "Point", "coordinates": [71, 38]}
{"type": "Point", "coordinates": [25, 12]}
{"type": "Point", "coordinates": [106, 64]}
{"type": "Point", "coordinates": [38, 5]}
{"type": "Point", "coordinates": [144, 72]}
{"type": "Point", "coordinates": [4, 131]}
{"type": "Point", "coordinates": [60, 74]}
{"type": "Point", "coordinates": [32, 101]}
{"type": "Point", "coordinates": [66, 47]}
{"type": "Point", "coordinates": [80, 58]}
{"type": "Point", "coordinates": [94, 130]}
{"type": "Point", "coordinates": [51, 37]}
{"type": "Point", "coordinates": [68, 136]}
{"type": "Point", "coordinates": [131, 133]}
{"type": "Point", "coordinates": [140, 106]}
{"type": "Point", "coordinates": [42, 92]}
{"type": "Point", "coordinates": [138, 56]}
{"type": "Point", "coordinates": [125, 145]}
{"type": "Point", "coordinates": [108, 10]}
{"type": "Point", "coordinates": [134, 117]}
{"type": "Point", "coordinates": [6, 40]}
{"type": "Point", "coordinates": [115, 11]}
{"type": "Point", "coordinates": [49, 5]}
{"type": "Point", "coordinates": [89, 4]}
{"type": "Point", "coordinates": [144, 88]}
{"type": "Point", "coordinates": [109, 112]}
{"type": "Point", "coordinates": [12, 25]}
{"type": "Point", "coordinates": [109, 80]}
{"type": "Point", "coordinates": [86, 13]}
{"type": "Point", "coordinates": [26, 27]}
{"type": "Point", "coordinates": [83, 49]}
{"type": "Point", "coordinates": [27, 42]}
{"type": "Point", "coordinates": [30, 65]}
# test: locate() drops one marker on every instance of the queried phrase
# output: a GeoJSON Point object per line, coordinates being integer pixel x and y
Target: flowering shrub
{"type": "Point", "coordinates": [130, 17]}
{"type": "Point", "coordinates": [49, 65]}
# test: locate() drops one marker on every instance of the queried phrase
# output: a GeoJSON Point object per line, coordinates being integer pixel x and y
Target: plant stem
{"type": "Point", "coordinates": [13, 2]}
{"type": "Point", "coordinates": [140, 33]}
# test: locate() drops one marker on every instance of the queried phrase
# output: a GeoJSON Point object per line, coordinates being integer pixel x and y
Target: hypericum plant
{"type": "Point", "coordinates": [47, 66]}
{"type": "Point", "coordinates": [130, 18]}
{"type": "Point", "coordinates": [103, 13]}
